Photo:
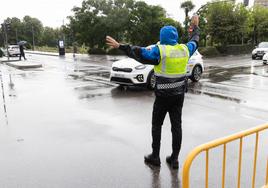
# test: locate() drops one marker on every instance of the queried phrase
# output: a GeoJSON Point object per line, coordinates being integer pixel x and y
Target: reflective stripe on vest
{"type": "Point", "coordinates": [173, 63]}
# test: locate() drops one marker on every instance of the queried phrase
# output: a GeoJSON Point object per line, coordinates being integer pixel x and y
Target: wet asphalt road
{"type": "Point", "coordinates": [69, 127]}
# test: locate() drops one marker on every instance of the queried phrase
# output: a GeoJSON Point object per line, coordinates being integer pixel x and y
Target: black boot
{"type": "Point", "coordinates": [173, 162]}
{"type": "Point", "coordinates": [152, 160]}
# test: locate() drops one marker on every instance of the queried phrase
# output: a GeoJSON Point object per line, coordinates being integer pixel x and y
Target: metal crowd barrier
{"type": "Point", "coordinates": [223, 142]}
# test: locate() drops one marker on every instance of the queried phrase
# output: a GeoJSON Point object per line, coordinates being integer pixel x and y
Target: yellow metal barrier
{"type": "Point", "coordinates": [223, 141]}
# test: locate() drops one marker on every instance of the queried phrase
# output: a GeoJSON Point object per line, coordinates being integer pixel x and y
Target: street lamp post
{"type": "Point", "coordinates": [17, 35]}
{"type": "Point", "coordinates": [33, 38]}
{"type": "Point", "coordinates": [6, 27]}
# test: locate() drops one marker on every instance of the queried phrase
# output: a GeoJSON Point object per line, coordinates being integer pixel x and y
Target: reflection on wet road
{"type": "Point", "coordinates": [70, 127]}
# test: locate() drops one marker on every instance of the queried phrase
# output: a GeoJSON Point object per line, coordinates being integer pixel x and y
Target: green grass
{"type": "Point", "coordinates": [80, 50]}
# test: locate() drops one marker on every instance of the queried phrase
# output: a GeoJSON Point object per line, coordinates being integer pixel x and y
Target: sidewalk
{"type": "Point", "coordinates": [11, 59]}
{"type": "Point", "coordinates": [16, 63]}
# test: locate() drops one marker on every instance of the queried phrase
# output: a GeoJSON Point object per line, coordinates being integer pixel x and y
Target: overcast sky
{"type": "Point", "coordinates": [53, 12]}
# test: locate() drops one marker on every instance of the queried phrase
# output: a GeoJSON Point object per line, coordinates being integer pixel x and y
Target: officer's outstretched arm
{"type": "Point", "coordinates": [143, 55]}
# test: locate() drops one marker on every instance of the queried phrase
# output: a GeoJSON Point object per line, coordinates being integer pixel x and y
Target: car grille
{"type": "Point", "coordinates": [260, 52]}
{"type": "Point", "coordinates": [122, 69]}
{"type": "Point", "coordinates": [121, 80]}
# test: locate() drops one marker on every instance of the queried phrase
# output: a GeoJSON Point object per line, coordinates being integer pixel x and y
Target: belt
{"type": "Point", "coordinates": [170, 85]}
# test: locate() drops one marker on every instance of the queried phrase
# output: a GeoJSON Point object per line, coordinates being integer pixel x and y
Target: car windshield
{"type": "Point", "coordinates": [263, 45]}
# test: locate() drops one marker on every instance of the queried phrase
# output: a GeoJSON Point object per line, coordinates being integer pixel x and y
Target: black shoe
{"type": "Point", "coordinates": [152, 160]}
{"type": "Point", "coordinates": [174, 163]}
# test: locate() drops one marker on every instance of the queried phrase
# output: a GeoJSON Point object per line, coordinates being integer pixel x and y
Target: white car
{"type": "Point", "coordinates": [265, 59]}
{"type": "Point", "coordinates": [260, 50]}
{"type": "Point", "coordinates": [128, 71]}
{"type": "Point", "coordinates": [13, 50]}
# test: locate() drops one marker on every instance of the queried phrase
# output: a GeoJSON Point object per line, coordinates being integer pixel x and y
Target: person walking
{"type": "Point", "coordinates": [170, 66]}
{"type": "Point", "coordinates": [22, 54]}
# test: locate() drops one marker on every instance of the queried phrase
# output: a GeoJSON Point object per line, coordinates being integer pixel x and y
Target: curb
{"type": "Point", "coordinates": [41, 53]}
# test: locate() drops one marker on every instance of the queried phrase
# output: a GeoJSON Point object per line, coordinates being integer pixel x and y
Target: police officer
{"type": "Point", "coordinates": [170, 66]}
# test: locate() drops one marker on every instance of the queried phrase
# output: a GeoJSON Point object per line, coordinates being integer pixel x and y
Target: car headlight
{"type": "Point", "coordinates": [254, 51]}
{"type": "Point", "coordinates": [140, 67]}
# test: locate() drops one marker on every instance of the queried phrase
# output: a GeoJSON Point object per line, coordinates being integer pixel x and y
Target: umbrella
{"type": "Point", "coordinates": [23, 42]}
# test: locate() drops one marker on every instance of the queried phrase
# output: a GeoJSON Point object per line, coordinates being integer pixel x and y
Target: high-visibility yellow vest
{"type": "Point", "coordinates": [173, 62]}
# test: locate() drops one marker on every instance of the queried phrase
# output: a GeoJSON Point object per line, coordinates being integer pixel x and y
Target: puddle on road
{"type": "Point", "coordinates": [92, 95]}
{"type": "Point", "coordinates": [230, 83]}
{"type": "Point", "coordinates": [104, 74]}
{"type": "Point", "coordinates": [220, 74]}
{"type": "Point", "coordinates": [89, 87]}
{"type": "Point", "coordinates": [220, 96]}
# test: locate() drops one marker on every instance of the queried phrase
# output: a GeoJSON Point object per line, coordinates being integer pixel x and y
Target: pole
{"type": "Point", "coordinates": [63, 30]}
{"type": "Point", "coordinates": [4, 99]}
{"type": "Point", "coordinates": [17, 35]}
{"type": "Point", "coordinates": [33, 38]}
{"type": "Point", "coordinates": [5, 29]}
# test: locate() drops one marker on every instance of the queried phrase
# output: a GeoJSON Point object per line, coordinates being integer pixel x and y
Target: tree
{"type": "Point", "coordinates": [259, 23]}
{"type": "Point", "coordinates": [49, 37]}
{"type": "Point", "coordinates": [126, 20]}
{"type": "Point", "coordinates": [145, 23]}
{"type": "Point", "coordinates": [188, 6]}
{"type": "Point", "coordinates": [227, 22]}
{"type": "Point", "coordinates": [32, 30]}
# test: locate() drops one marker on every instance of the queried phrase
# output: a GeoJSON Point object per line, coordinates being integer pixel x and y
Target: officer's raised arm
{"type": "Point", "coordinates": [194, 32]}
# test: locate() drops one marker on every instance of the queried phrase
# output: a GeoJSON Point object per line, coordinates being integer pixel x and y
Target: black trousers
{"type": "Point", "coordinates": [173, 105]}
{"type": "Point", "coordinates": [22, 55]}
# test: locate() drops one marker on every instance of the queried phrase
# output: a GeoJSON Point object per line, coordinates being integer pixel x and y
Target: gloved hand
{"type": "Point", "coordinates": [112, 42]}
{"type": "Point", "coordinates": [194, 30]}
{"type": "Point", "coordinates": [195, 20]}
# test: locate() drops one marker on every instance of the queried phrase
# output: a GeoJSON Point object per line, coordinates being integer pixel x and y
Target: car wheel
{"type": "Point", "coordinates": [196, 73]}
{"type": "Point", "coordinates": [253, 57]}
{"type": "Point", "coordinates": [264, 62]}
{"type": "Point", "coordinates": [151, 81]}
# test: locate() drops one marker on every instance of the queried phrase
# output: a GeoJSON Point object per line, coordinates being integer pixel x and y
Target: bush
{"type": "Point", "coordinates": [235, 49]}
{"type": "Point", "coordinates": [114, 51]}
{"type": "Point", "coordinates": [208, 51]}
{"type": "Point", "coordinates": [97, 51]}
{"type": "Point", "coordinates": [28, 46]}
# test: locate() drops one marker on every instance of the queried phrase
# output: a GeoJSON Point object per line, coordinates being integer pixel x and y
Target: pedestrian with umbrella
{"type": "Point", "coordinates": [21, 45]}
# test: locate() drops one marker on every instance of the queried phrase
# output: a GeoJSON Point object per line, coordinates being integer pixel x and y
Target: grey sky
{"type": "Point", "coordinates": [53, 12]}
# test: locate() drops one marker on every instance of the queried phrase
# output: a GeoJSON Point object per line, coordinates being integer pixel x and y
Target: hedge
{"type": "Point", "coordinates": [114, 51]}
{"type": "Point", "coordinates": [97, 51]}
{"type": "Point", "coordinates": [235, 49]}
{"type": "Point", "coordinates": [208, 51]}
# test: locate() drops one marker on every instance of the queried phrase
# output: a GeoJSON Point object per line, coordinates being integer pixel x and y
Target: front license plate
{"type": "Point", "coordinates": [119, 75]}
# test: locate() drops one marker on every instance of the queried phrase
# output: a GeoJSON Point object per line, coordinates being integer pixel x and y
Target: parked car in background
{"type": "Point", "coordinates": [265, 59]}
{"type": "Point", "coordinates": [13, 50]}
{"type": "Point", "coordinates": [260, 50]}
{"type": "Point", "coordinates": [128, 71]}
